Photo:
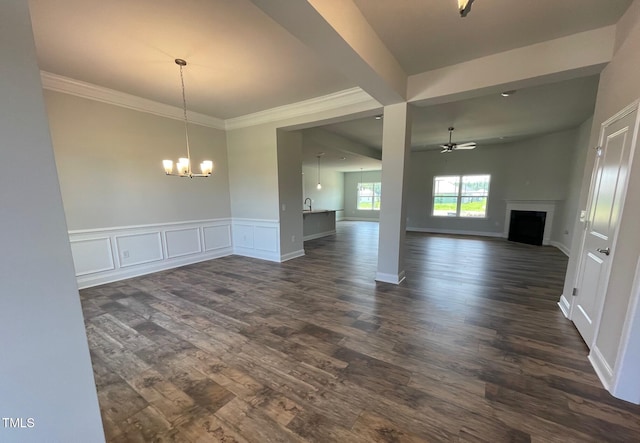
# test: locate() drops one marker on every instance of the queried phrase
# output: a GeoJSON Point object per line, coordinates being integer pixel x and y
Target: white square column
{"type": "Point", "coordinates": [396, 150]}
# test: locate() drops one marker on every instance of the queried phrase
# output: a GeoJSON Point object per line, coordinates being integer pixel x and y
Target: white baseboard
{"type": "Point", "coordinates": [564, 305]}
{"type": "Point", "coordinates": [292, 255]}
{"type": "Point", "coordinates": [602, 368]}
{"type": "Point", "coordinates": [395, 279]}
{"type": "Point", "coordinates": [111, 254]}
{"type": "Point", "coordinates": [454, 232]}
{"type": "Point", "coordinates": [256, 253]}
{"type": "Point", "coordinates": [560, 246]}
{"type": "Point", "coordinates": [318, 235]}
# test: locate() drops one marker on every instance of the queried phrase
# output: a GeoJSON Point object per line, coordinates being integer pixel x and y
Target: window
{"type": "Point", "coordinates": [369, 196]}
{"type": "Point", "coordinates": [460, 195]}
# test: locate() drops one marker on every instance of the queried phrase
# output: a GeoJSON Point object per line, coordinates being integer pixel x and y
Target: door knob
{"type": "Point", "coordinates": [605, 251]}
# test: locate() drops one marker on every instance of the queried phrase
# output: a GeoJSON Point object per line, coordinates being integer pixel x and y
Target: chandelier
{"type": "Point", "coordinates": [184, 163]}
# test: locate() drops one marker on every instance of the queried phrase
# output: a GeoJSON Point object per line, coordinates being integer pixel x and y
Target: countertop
{"type": "Point", "coordinates": [318, 211]}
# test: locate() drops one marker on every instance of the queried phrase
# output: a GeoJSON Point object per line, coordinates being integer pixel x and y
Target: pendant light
{"type": "Point", "coordinates": [184, 163]}
{"type": "Point", "coordinates": [319, 186]}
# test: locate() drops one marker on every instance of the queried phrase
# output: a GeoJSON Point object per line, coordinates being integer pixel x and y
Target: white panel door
{"type": "Point", "coordinates": [605, 204]}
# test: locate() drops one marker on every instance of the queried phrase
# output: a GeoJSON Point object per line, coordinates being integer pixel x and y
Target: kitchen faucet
{"type": "Point", "coordinates": [305, 202]}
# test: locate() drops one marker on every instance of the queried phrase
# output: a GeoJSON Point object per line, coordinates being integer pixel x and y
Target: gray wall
{"type": "Point", "coordinates": [533, 169]}
{"type": "Point", "coordinates": [290, 191]}
{"type": "Point", "coordinates": [45, 370]}
{"type": "Point", "coordinates": [564, 225]}
{"type": "Point", "coordinates": [109, 161]}
{"type": "Point", "coordinates": [331, 196]}
{"type": "Point", "coordinates": [351, 180]}
{"type": "Point", "coordinates": [253, 172]}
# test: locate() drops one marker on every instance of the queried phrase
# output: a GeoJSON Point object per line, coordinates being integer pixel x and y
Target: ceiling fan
{"type": "Point", "coordinates": [450, 147]}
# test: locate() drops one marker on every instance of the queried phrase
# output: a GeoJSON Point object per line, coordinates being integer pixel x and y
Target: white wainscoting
{"type": "Point", "coordinates": [111, 254]}
{"type": "Point", "coordinates": [257, 238]}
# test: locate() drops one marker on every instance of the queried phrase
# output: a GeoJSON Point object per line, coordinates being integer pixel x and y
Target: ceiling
{"type": "Point", "coordinates": [241, 61]}
{"type": "Point", "coordinates": [489, 119]}
{"type": "Point", "coordinates": [429, 34]}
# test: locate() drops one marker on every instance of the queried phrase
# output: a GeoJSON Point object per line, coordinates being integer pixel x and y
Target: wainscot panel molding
{"type": "Point", "coordinates": [111, 254]}
{"type": "Point", "coordinates": [183, 241]}
{"type": "Point", "coordinates": [91, 255]}
{"type": "Point", "coordinates": [256, 238]}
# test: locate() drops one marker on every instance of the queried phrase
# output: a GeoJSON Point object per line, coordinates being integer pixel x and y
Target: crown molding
{"type": "Point", "coordinates": [58, 83]}
{"type": "Point", "coordinates": [336, 100]}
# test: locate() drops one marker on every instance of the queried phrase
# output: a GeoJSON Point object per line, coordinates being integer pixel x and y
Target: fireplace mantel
{"type": "Point", "coordinates": [548, 206]}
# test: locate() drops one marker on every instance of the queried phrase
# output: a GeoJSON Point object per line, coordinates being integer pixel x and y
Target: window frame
{"type": "Point", "coordinates": [460, 196]}
{"type": "Point", "coordinates": [373, 196]}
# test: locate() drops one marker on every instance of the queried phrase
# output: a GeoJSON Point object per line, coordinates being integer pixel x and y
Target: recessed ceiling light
{"type": "Point", "coordinates": [343, 158]}
{"type": "Point", "coordinates": [508, 93]}
{"type": "Point", "coordinates": [378, 117]}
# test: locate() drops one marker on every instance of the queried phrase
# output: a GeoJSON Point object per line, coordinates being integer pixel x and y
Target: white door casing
{"type": "Point", "coordinates": [606, 197]}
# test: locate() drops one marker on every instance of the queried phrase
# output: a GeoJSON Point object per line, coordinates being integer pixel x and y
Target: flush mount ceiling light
{"type": "Point", "coordinates": [378, 117]}
{"type": "Point", "coordinates": [319, 186]}
{"type": "Point", "coordinates": [184, 163]}
{"type": "Point", "coordinates": [508, 93]}
{"type": "Point", "coordinates": [464, 6]}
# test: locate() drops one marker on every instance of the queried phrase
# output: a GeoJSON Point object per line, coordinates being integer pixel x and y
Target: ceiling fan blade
{"type": "Point", "coordinates": [445, 146]}
{"type": "Point", "coordinates": [445, 150]}
{"type": "Point", "coordinates": [470, 145]}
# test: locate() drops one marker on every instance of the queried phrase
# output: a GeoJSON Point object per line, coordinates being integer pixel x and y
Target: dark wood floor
{"type": "Point", "coordinates": [472, 347]}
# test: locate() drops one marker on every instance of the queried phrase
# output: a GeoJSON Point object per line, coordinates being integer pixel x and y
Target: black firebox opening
{"type": "Point", "coordinates": [527, 227]}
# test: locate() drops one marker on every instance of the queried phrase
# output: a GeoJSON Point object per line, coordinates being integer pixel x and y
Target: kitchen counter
{"type": "Point", "coordinates": [318, 223]}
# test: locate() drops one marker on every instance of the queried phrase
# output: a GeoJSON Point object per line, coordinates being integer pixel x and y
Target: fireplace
{"type": "Point", "coordinates": [547, 207]}
{"type": "Point", "coordinates": [527, 227]}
